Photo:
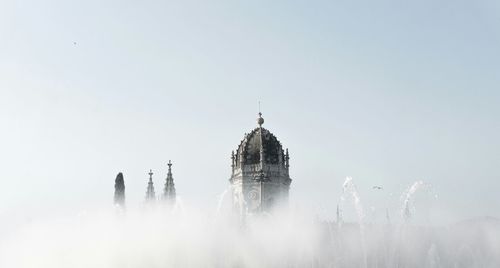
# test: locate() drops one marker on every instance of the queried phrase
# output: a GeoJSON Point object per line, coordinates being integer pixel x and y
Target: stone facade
{"type": "Point", "coordinates": [260, 178]}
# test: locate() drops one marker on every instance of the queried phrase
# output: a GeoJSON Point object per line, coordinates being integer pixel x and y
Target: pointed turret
{"type": "Point", "coordinates": [169, 190]}
{"type": "Point", "coordinates": [150, 193]}
{"type": "Point", "coordinates": [119, 190]}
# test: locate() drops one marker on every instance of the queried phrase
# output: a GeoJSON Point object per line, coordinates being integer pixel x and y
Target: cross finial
{"type": "Point", "coordinates": [150, 175]}
{"type": "Point", "coordinates": [260, 120]}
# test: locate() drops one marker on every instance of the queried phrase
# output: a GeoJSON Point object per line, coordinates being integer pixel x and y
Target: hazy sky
{"type": "Point", "coordinates": [387, 92]}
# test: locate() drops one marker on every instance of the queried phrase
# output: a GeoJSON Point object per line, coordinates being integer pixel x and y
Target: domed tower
{"type": "Point", "coordinates": [260, 180]}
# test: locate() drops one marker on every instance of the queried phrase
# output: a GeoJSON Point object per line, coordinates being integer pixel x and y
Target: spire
{"type": "Point", "coordinates": [169, 190]}
{"type": "Point", "coordinates": [119, 190]}
{"type": "Point", "coordinates": [150, 193]}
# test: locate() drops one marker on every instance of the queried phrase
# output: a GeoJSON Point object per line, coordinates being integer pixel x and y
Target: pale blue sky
{"type": "Point", "coordinates": [387, 92]}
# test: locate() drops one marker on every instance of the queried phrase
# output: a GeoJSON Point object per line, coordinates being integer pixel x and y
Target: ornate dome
{"type": "Point", "coordinates": [260, 178]}
{"type": "Point", "coordinates": [249, 150]}
{"type": "Point", "coordinates": [260, 139]}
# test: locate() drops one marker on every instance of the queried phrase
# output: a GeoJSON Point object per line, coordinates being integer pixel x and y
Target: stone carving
{"type": "Point", "coordinates": [260, 179]}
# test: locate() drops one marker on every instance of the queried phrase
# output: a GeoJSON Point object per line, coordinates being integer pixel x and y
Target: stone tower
{"type": "Point", "coordinates": [150, 192]}
{"type": "Point", "coordinates": [169, 190]}
{"type": "Point", "coordinates": [260, 180]}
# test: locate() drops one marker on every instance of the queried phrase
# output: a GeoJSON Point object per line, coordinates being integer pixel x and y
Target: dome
{"type": "Point", "coordinates": [249, 150]}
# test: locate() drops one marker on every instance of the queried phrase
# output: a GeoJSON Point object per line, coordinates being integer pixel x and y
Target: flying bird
{"type": "Point", "coordinates": [377, 187]}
